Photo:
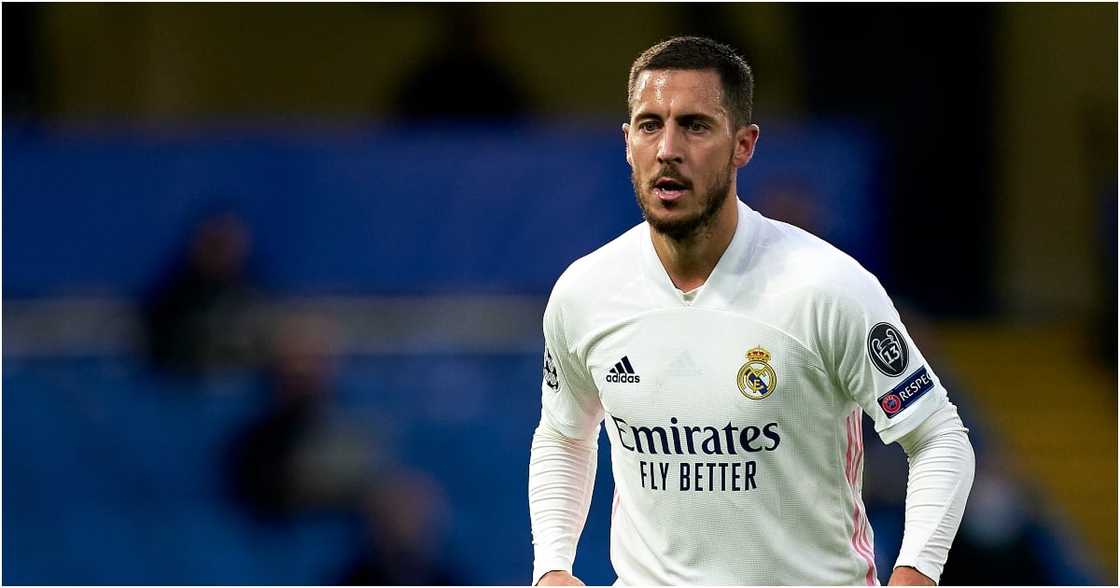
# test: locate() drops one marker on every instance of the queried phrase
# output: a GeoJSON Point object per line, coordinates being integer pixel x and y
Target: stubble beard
{"type": "Point", "coordinates": [714, 197]}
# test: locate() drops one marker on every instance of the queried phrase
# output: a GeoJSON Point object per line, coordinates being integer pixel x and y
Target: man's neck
{"type": "Point", "coordinates": [690, 262]}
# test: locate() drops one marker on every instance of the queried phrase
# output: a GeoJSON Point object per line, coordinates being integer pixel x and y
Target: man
{"type": "Point", "coordinates": [731, 359]}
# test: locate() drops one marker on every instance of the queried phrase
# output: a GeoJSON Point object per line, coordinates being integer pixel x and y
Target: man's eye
{"type": "Point", "coordinates": [648, 126]}
{"type": "Point", "coordinates": [697, 127]}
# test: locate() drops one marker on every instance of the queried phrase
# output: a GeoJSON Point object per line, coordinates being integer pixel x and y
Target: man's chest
{"type": "Point", "coordinates": [705, 366]}
{"type": "Point", "coordinates": [715, 403]}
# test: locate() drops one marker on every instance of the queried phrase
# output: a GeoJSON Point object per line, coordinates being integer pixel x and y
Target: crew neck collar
{"type": "Point", "coordinates": [727, 267]}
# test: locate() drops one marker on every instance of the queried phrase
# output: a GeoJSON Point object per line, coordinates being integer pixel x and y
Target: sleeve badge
{"type": "Point", "coordinates": [887, 349]}
{"type": "Point", "coordinates": [551, 379]}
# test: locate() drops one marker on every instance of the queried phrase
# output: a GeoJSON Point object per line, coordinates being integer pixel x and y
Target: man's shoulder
{"type": "Point", "coordinates": [800, 260]}
{"type": "Point", "coordinates": [617, 260]}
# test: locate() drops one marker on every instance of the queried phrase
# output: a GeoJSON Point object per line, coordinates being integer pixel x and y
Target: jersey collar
{"type": "Point", "coordinates": [718, 290]}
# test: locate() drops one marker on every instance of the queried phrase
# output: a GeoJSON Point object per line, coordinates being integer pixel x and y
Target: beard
{"type": "Point", "coordinates": [712, 198]}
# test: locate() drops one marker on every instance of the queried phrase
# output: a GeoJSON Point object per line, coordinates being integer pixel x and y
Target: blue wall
{"type": "Point", "coordinates": [112, 471]}
{"type": "Point", "coordinates": [375, 211]}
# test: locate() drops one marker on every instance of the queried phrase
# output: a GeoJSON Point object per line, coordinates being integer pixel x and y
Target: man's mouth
{"type": "Point", "coordinates": [669, 189]}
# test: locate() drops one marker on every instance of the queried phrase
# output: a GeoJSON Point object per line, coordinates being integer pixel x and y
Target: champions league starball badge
{"type": "Point", "coordinates": [887, 349]}
{"type": "Point", "coordinates": [756, 379]}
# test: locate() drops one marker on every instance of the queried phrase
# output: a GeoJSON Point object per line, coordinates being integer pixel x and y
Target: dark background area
{"type": "Point", "coordinates": [319, 238]}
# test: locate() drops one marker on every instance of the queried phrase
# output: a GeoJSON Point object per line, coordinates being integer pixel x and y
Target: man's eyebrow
{"type": "Point", "coordinates": [696, 116]}
{"type": "Point", "coordinates": [683, 118]}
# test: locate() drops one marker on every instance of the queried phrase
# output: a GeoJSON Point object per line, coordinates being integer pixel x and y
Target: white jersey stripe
{"type": "Point", "coordinates": [871, 572]}
{"type": "Point", "coordinates": [865, 525]}
{"type": "Point", "coordinates": [869, 550]}
{"type": "Point", "coordinates": [859, 541]}
{"type": "Point", "coordinates": [852, 458]}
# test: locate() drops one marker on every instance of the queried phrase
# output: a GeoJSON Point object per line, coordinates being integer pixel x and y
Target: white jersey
{"type": "Point", "coordinates": [734, 411]}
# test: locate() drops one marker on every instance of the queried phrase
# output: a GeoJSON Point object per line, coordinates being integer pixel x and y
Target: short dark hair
{"type": "Point", "coordinates": [692, 53]}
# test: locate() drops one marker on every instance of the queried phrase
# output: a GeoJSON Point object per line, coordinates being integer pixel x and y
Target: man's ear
{"type": "Point", "coordinates": [745, 140]}
{"type": "Point", "coordinates": [626, 139]}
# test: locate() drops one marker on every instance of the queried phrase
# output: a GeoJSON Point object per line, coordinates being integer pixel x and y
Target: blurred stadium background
{"type": "Point", "coordinates": [273, 274]}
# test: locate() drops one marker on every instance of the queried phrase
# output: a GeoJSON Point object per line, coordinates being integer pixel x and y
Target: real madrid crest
{"type": "Point", "coordinates": [756, 378]}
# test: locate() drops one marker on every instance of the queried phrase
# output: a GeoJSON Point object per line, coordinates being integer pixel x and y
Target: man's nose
{"type": "Point", "coordinates": [669, 148]}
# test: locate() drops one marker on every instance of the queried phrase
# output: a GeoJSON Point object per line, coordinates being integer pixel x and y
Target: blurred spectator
{"type": "Point", "coordinates": [1004, 541]}
{"type": "Point", "coordinates": [464, 78]}
{"type": "Point", "coordinates": [403, 520]}
{"type": "Point", "coordinates": [201, 315]}
{"type": "Point", "coordinates": [301, 455]}
{"type": "Point", "coordinates": [995, 548]}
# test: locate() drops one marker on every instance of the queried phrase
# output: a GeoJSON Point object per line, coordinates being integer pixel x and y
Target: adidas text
{"type": "Point", "coordinates": [624, 378]}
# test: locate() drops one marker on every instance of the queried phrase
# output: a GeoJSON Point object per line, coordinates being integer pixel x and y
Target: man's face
{"type": "Point", "coordinates": [683, 149]}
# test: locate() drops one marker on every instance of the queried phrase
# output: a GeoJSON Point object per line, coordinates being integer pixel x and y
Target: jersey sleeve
{"type": "Point", "coordinates": [569, 400]}
{"type": "Point", "coordinates": [876, 361]}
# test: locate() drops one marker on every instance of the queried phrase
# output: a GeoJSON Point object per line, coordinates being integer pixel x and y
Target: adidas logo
{"type": "Point", "coordinates": [623, 373]}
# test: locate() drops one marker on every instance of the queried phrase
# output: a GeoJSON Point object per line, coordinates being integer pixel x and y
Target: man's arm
{"type": "Point", "coordinates": [561, 480]}
{"type": "Point", "coordinates": [562, 458]}
{"type": "Point", "coordinates": [942, 466]}
{"type": "Point", "coordinates": [908, 576]}
{"type": "Point", "coordinates": [875, 360]}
